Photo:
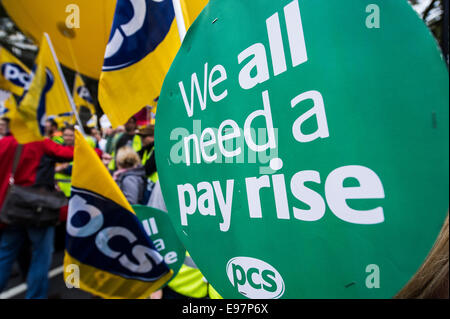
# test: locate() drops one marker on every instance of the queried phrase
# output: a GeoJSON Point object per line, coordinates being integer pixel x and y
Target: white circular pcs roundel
{"type": "Point", "coordinates": [254, 278]}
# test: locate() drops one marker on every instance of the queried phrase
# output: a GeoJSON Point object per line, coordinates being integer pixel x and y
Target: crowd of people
{"type": "Point", "coordinates": [34, 166]}
{"type": "Point", "coordinates": [127, 152]}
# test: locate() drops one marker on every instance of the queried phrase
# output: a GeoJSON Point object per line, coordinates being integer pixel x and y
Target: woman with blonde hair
{"type": "Point", "coordinates": [431, 280]}
{"type": "Point", "coordinates": [130, 175]}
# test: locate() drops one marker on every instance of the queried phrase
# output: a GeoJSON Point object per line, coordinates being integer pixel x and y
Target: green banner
{"type": "Point", "coordinates": [302, 147]}
{"type": "Point", "coordinates": [159, 227]}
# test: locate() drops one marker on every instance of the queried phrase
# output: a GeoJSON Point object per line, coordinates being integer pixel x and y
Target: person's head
{"type": "Point", "coordinates": [148, 135]}
{"type": "Point", "coordinates": [119, 129]}
{"type": "Point", "coordinates": [69, 135]}
{"type": "Point", "coordinates": [4, 126]}
{"type": "Point", "coordinates": [130, 125]}
{"type": "Point", "coordinates": [108, 131]}
{"type": "Point", "coordinates": [50, 127]}
{"type": "Point", "coordinates": [127, 158]}
{"type": "Point", "coordinates": [95, 133]}
{"type": "Point", "coordinates": [431, 280]}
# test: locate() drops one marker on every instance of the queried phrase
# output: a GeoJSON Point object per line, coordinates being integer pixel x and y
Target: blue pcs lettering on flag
{"type": "Point", "coordinates": [16, 74]}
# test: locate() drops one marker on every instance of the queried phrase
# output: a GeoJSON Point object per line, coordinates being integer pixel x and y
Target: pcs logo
{"type": "Point", "coordinates": [254, 278]}
{"type": "Point", "coordinates": [103, 234]}
{"type": "Point", "coordinates": [139, 26]}
{"type": "Point", "coordinates": [16, 75]}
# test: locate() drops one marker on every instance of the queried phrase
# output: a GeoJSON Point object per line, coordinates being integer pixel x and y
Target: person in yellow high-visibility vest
{"type": "Point", "coordinates": [63, 172]}
{"type": "Point", "coordinates": [147, 152]}
{"type": "Point", "coordinates": [51, 131]}
{"type": "Point", "coordinates": [189, 283]}
{"type": "Point", "coordinates": [213, 294]}
{"type": "Point", "coordinates": [129, 137]}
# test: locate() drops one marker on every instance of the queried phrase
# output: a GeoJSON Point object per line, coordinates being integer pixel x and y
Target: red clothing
{"type": "Point", "coordinates": [30, 161]}
{"type": "Point", "coordinates": [8, 146]}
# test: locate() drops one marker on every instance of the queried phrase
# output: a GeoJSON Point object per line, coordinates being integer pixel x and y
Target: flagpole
{"type": "Point", "coordinates": [63, 79]}
{"type": "Point", "coordinates": [180, 19]}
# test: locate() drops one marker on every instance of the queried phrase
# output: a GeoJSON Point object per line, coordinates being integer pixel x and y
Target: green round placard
{"type": "Point", "coordinates": [302, 147]}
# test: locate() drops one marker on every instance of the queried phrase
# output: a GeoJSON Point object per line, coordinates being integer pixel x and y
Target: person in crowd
{"type": "Point", "coordinates": [68, 134]}
{"type": "Point", "coordinates": [129, 137]}
{"type": "Point", "coordinates": [90, 138]}
{"type": "Point", "coordinates": [94, 133]}
{"type": "Point", "coordinates": [4, 127]}
{"type": "Point", "coordinates": [51, 131]}
{"type": "Point", "coordinates": [64, 170]}
{"type": "Point", "coordinates": [130, 175]}
{"type": "Point", "coordinates": [111, 135]}
{"type": "Point", "coordinates": [35, 167]}
{"type": "Point", "coordinates": [147, 153]}
{"type": "Point", "coordinates": [103, 139]}
{"type": "Point", "coordinates": [108, 134]}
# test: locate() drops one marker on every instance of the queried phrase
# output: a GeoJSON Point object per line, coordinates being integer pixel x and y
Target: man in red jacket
{"type": "Point", "coordinates": [36, 167]}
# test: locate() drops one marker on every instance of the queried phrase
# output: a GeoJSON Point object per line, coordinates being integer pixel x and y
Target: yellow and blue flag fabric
{"type": "Point", "coordinates": [81, 95]}
{"type": "Point", "coordinates": [64, 118]}
{"type": "Point", "coordinates": [191, 9]}
{"type": "Point", "coordinates": [45, 96]}
{"type": "Point", "coordinates": [82, 99]}
{"type": "Point", "coordinates": [143, 42]}
{"type": "Point", "coordinates": [15, 76]}
{"type": "Point", "coordinates": [18, 125]}
{"type": "Point", "coordinates": [47, 84]}
{"type": "Point", "coordinates": [92, 122]}
{"type": "Point", "coordinates": [79, 29]}
{"type": "Point", "coordinates": [105, 239]}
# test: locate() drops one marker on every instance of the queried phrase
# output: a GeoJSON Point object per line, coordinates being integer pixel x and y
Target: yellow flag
{"type": "Point", "coordinates": [53, 91]}
{"type": "Point", "coordinates": [46, 95]}
{"type": "Point", "coordinates": [102, 269]}
{"type": "Point", "coordinates": [138, 55]}
{"type": "Point", "coordinates": [191, 9]}
{"type": "Point", "coordinates": [81, 95]}
{"type": "Point", "coordinates": [14, 75]}
{"type": "Point", "coordinates": [64, 119]}
{"type": "Point", "coordinates": [79, 29]}
{"type": "Point", "coordinates": [18, 125]}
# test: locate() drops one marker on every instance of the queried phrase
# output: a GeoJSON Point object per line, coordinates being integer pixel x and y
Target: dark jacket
{"type": "Point", "coordinates": [36, 165]}
{"type": "Point", "coordinates": [132, 183]}
{"type": "Point", "coordinates": [150, 164]}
